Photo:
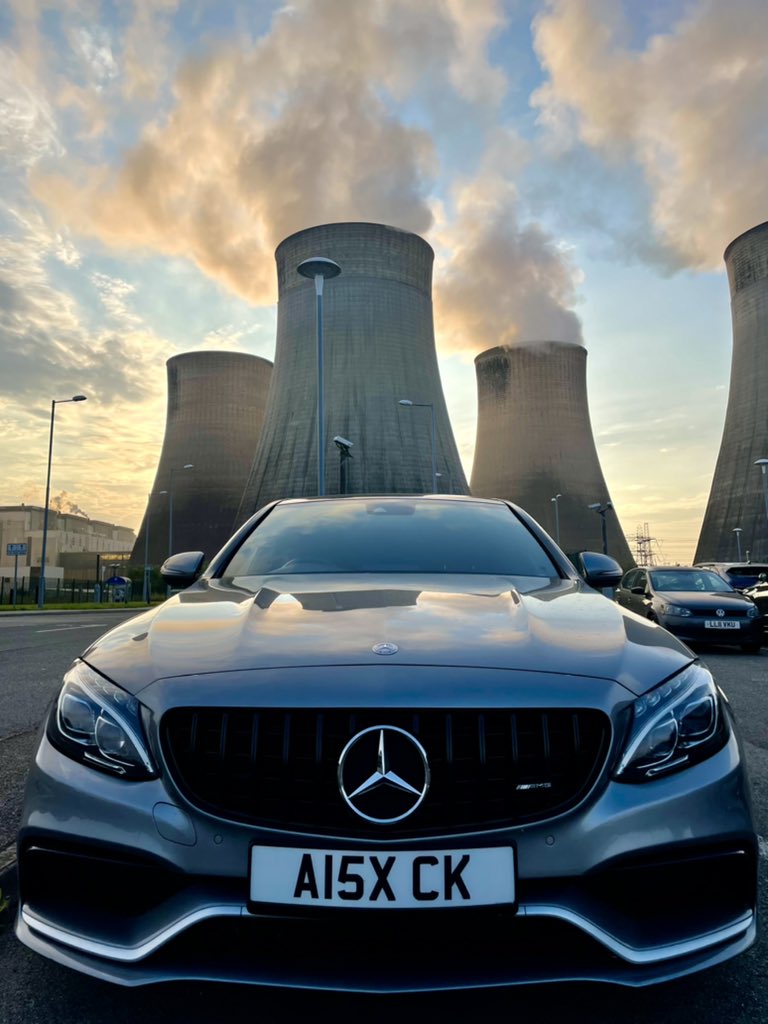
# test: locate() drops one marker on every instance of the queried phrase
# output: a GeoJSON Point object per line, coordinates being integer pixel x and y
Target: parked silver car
{"type": "Point", "coordinates": [388, 744]}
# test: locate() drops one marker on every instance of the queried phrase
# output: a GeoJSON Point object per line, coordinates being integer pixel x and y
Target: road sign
{"type": "Point", "coordinates": [16, 549]}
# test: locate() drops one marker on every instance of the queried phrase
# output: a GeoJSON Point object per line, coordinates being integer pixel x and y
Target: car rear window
{"type": "Point", "coordinates": [391, 536]}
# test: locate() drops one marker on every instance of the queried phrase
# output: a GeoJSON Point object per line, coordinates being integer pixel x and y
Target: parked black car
{"type": "Point", "coordinates": [759, 594]}
{"type": "Point", "coordinates": [697, 605]}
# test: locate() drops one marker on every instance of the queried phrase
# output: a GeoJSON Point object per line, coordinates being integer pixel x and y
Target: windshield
{"type": "Point", "coordinates": [690, 580]}
{"type": "Point", "coordinates": [403, 535]}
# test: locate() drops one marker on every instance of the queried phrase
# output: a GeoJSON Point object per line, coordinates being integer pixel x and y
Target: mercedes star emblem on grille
{"type": "Point", "coordinates": [383, 774]}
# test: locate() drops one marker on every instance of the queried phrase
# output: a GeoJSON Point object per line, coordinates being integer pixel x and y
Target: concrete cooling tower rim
{"type": "Point", "coordinates": [757, 229]}
{"type": "Point", "coordinates": [529, 346]}
{"type": "Point", "coordinates": [352, 224]}
{"type": "Point", "coordinates": [220, 354]}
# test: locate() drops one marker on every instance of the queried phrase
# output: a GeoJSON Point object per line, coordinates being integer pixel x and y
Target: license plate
{"type": "Point", "coordinates": [383, 878]}
{"type": "Point", "coordinates": [722, 624]}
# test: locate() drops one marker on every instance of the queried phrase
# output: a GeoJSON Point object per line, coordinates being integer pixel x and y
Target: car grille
{"type": "Point", "coordinates": [488, 767]}
{"type": "Point", "coordinates": [730, 613]}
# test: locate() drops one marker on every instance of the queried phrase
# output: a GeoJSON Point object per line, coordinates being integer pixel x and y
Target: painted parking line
{"type": "Point", "coordinates": [62, 629]}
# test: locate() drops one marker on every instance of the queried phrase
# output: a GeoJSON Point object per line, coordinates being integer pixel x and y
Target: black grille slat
{"type": "Point", "coordinates": [319, 739]}
{"type": "Point", "coordinates": [481, 750]}
{"type": "Point", "coordinates": [489, 768]}
{"type": "Point", "coordinates": [286, 740]}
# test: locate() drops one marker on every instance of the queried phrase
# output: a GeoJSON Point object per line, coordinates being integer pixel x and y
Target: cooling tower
{"type": "Point", "coordinates": [534, 441]}
{"type": "Point", "coordinates": [216, 403]}
{"type": "Point", "coordinates": [736, 497]}
{"type": "Point", "coordinates": [379, 347]}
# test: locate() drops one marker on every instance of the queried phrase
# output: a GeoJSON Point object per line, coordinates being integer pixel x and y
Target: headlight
{"type": "Point", "coordinates": [676, 609]}
{"type": "Point", "coordinates": [675, 725]}
{"type": "Point", "coordinates": [97, 723]}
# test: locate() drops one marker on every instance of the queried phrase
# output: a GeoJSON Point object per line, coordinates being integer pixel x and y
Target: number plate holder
{"type": "Point", "coordinates": [381, 878]}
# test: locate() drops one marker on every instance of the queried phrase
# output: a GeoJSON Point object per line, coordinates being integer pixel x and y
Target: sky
{"type": "Point", "coordinates": [578, 166]}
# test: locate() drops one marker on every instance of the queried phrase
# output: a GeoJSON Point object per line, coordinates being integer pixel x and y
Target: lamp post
{"type": "Point", "coordinates": [430, 406]}
{"type": "Point", "coordinates": [188, 465]}
{"type": "Point", "coordinates": [41, 581]}
{"type": "Point", "coordinates": [601, 510]}
{"type": "Point", "coordinates": [318, 268]}
{"type": "Point", "coordinates": [147, 567]}
{"type": "Point", "coordinates": [556, 503]}
{"type": "Point", "coordinates": [737, 531]}
{"type": "Point", "coordinates": [763, 464]}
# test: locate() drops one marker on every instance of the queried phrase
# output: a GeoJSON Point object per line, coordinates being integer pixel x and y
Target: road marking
{"type": "Point", "coordinates": [62, 629]}
{"type": "Point", "coordinates": [762, 847]}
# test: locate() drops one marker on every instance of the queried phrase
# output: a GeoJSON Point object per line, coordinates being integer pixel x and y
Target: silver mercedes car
{"type": "Point", "coordinates": [388, 744]}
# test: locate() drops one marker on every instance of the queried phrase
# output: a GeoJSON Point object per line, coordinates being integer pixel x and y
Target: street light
{"type": "Point", "coordinates": [556, 502]}
{"type": "Point", "coordinates": [318, 268]}
{"type": "Point", "coordinates": [601, 510]}
{"type": "Point", "coordinates": [430, 406]}
{"type": "Point", "coordinates": [41, 582]}
{"type": "Point", "coordinates": [175, 469]}
{"type": "Point", "coordinates": [763, 464]}
{"type": "Point", "coordinates": [737, 531]}
{"type": "Point", "coordinates": [147, 567]}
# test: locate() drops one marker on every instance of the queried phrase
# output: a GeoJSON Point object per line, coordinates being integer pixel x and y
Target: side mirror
{"type": "Point", "coordinates": [183, 569]}
{"type": "Point", "coordinates": [599, 571]}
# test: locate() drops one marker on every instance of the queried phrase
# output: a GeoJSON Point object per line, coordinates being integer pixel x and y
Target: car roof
{"type": "Point", "coordinates": [752, 566]}
{"type": "Point", "coordinates": [468, 498]}
{"type": "Point", "coordinates": [673, 568]}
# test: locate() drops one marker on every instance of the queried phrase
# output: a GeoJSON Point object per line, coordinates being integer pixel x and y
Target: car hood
{"type": "Point", "coordinates": [697, 599]}
{"type": "Point", "coordinates": [561, 628]}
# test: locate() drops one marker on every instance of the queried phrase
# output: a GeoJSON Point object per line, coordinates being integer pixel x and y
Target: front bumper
{"type": "Point", "coordinates": [639, 884]}
{"type": "Point", "coordinates": [694, 630]}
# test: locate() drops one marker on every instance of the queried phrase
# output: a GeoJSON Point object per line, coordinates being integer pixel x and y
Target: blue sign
{"type": "Point", "coordinates": [16, 549]}
{"type": "Point", "coordinates": [117, 581]}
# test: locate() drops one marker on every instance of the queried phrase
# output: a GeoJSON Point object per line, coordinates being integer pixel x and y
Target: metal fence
{"type": "Point", "coordinates": [69, 591]}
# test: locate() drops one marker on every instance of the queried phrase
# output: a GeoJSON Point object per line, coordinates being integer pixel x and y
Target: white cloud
{"type": "Point", "coordinates": [265, 138]}
{"type": "Point", "coordinates": [689, 107]}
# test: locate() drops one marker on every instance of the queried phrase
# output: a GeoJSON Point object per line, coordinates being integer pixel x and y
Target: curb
{"type": "Point", "coordinates": [7, 860]}
{"type": "Point", "coordinates": [79, 611]}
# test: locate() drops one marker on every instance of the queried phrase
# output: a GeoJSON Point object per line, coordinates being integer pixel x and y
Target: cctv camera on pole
{"type": "Point", "coordinates": [344, 453]}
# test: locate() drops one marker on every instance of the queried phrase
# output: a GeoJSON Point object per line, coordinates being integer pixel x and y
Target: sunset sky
{"type": "Point", "coordinates": [578, 166]}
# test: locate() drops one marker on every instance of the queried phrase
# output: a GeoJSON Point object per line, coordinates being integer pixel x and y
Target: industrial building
{"type": "Point", "coordinates": [737, 499]}
{"type": "Point", "coordinates": [379, 348]}
{"type": "Point", "coordinates": [535, 443]}
{"type": "Point", "coordinates": [216, 403]}
{"type": "Point", "coordinates": [76, 546]}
